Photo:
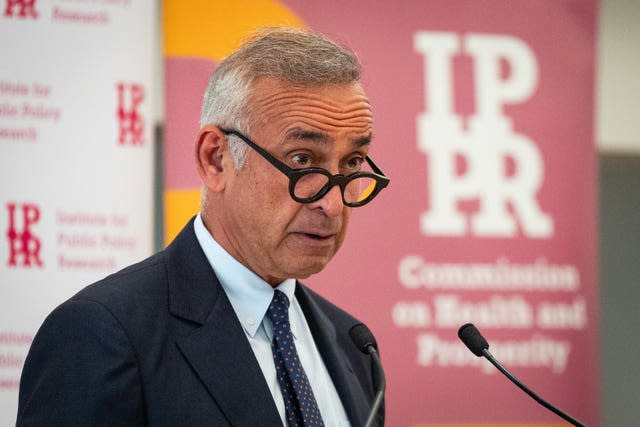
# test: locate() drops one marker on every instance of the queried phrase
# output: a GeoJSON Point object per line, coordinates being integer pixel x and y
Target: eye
{"type": "Point", "coordinates": [354, 164]}
{"type": "Point", "coordinates": [301, 160]}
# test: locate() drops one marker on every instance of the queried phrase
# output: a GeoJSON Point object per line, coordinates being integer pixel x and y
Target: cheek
{"type": "Point", "coordinates": [343, 230]}
{"type": "Point", "coordinates": [266, 204]}
{"type": "Point", "coordinates": [345, 223]}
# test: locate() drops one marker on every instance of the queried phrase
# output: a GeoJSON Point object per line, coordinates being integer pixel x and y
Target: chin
{"type": "Point", "coordinates": [304, 272]}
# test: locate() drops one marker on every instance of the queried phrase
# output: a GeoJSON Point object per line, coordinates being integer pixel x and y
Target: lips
{"type": "Point", "coordinates": [316, 235]}
{"type": "Point", "coordinates": [319, 236]}
{"type": "Point", "coordinates": [314, 238]}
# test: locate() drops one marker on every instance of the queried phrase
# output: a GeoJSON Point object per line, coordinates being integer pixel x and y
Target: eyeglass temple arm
{"type": "Point", "coordinates": [268, 157]}
{"type": "Point", "coordinates": [375, 168]}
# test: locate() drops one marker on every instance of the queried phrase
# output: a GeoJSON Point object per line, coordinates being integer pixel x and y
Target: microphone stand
{"type": "Point", "coordinates": [378, 399]}
{"type": "Point", "coordinates": [487, 354]}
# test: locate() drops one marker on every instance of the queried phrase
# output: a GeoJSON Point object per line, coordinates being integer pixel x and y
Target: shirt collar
{"type": "Point", "coordinates": [249, 295]}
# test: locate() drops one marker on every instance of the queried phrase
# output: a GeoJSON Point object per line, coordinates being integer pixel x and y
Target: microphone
{"type": "Point", "coordinates": [364, 340]}
{"type": "Point", "coordinates": [474, 340]}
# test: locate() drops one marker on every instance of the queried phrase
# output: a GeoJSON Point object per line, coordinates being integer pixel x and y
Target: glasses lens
{"type": "Point", "coordinates": [359, 189]}
{"type": "Point", "coordinates": [309, 185]}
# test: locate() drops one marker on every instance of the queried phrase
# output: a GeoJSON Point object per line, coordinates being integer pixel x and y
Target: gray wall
{"type": "Point", "coordinates": [620, 288]}
{"type": "Point", "coordinates": [618, 139]}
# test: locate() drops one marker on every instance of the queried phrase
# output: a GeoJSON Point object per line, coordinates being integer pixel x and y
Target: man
{"type": "Point", "coordinates": [195, 334]}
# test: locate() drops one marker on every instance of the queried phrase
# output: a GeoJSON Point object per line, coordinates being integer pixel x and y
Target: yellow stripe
{"type": "Point", "coordinates": [179, 207]}
{"type": "Point", "coordinates": [213, 29]}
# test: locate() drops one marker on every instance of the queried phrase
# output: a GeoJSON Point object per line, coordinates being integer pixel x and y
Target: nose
{"type": "Point", "coordinates": [331, 203]}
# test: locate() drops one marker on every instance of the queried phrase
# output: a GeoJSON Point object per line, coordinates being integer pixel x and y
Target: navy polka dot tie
{"type": "Point", "coordinates": [299, 402]}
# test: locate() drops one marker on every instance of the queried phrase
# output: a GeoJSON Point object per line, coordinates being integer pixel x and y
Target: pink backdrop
{"type": "Point", "coordinates": [484, 123]}
{"type": "Point", "coordinates": [540, 299]}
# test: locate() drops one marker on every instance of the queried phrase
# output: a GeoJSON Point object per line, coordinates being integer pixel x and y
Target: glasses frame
{"type": "Point", "coordinates": [340, 180]}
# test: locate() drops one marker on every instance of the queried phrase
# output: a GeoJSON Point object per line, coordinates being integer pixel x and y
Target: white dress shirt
{"type": "Point", "coordinates": [250, 296]}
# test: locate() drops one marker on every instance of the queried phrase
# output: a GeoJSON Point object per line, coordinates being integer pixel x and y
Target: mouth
{"type": "Point", "coordinates": [318, 237]}
{"type": "Point", "coordinates": [315, 238]}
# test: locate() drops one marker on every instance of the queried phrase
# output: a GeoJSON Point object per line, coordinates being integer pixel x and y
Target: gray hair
{"type": "Point", "coordinates": [294, 56]}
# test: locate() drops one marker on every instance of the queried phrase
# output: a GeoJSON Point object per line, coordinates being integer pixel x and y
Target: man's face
{"type": "Point", "coordinates": [262, 226]}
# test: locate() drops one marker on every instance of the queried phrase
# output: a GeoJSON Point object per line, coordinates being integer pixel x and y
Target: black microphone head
{"type": "Point", "coordinates": [362, 337]}
{"type": "Point", "coordinates": [473, 339]}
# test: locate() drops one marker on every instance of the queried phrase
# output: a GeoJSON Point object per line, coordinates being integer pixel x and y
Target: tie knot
{"type": "Point", "coordinates": [278, 311]}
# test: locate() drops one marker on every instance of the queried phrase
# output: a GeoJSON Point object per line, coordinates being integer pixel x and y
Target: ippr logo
{"type": "Point", "coordinates": [21, 9]}
{"type": "Point", "coordinates": [503, 168]}
{"type": "Point", "coordinates": [130, 96]}
{"type": "Point", "coordinates": [24, 245]}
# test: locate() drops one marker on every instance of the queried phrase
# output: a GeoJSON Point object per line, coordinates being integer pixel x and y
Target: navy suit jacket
{"type": "Point", "coordinates": [158, 343]}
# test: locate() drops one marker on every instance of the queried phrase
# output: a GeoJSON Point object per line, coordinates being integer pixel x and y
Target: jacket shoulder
{"type": "Point", "coordinates": [141, 280]}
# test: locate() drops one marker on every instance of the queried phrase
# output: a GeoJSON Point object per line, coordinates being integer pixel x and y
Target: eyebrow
{"type": "Point", "coordinates": [363, 140]}
{"type": "Point", "coordinates": [308, 135]}
{"type": "Point", "coordinates": [321, 137]}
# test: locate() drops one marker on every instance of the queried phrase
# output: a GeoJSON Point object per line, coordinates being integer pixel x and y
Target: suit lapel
{"type": "Point", "coordinates": [340, 369]}
{"type": "Point", "coordinates": [217, 350]}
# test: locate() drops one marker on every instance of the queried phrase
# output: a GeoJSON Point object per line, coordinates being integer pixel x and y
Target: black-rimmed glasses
{"type": "Point", "coordinates": [307, 185]}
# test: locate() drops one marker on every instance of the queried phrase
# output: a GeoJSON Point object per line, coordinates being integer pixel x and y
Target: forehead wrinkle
{"type": "Point", "coordinates": [354, 110]}
{"type": "Point", "coordinates": [313, 114]}
{"type": "Point", "coordinates": [313, 101]}
{"type": "Point", "coordinates": [357, 123]}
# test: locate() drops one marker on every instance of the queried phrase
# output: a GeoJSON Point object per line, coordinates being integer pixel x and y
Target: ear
{"type": "Point", "coordinates": [212, 157]}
